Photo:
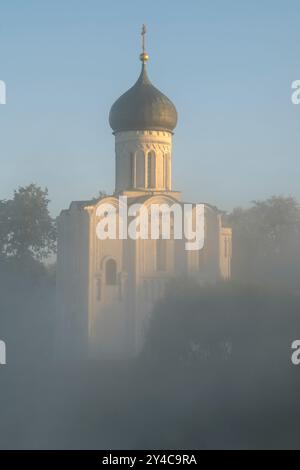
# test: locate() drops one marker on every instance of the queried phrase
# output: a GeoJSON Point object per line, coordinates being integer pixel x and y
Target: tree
{"type": "Point", "coordinates": [26, 227]}
{"type": "Point", "coordinates": [101, 194]}
{"type": "Point", "coordinates": [266, 241]}
{"type": "Point", "coordinates": [244, 325]}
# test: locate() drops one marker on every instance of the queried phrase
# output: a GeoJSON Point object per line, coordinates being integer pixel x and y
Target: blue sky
{"type": "Point", "coordinates": [227, 65]}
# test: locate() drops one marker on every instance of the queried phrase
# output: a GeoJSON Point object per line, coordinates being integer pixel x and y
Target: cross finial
{"type": "Point", "coordinates": [143, 33]}
{"type": "Point", "coordinates": [144, 56]}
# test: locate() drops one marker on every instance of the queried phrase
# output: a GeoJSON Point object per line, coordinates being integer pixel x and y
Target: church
{"type": "Point", "coordinates": [107, 288]}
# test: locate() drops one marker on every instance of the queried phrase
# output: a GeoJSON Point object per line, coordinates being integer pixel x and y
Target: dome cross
{"type": "Point", "coordinates": [144, 56]}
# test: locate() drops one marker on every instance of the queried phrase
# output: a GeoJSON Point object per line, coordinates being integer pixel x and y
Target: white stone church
{"type": "Point", "coordinates": [107, 288]}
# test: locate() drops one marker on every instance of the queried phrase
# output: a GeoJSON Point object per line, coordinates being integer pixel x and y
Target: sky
{"type": "Point", "coordinates": [227, 65]}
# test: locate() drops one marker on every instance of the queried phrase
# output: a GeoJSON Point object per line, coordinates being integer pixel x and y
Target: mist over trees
{"type": "Point", "coordinates": [215, 371]}
{"type": "Point", "coordinates": [27, 286]}
{"type": "Point", "coordinates": [221, 358]}
{"type": "Point", "coordinates": [266, 240]}
{"type": "Point", "coordinates": [225, 322]}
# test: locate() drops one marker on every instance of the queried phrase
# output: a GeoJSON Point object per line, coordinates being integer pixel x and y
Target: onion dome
{"type": "Point", "coordinates": [143, 107]}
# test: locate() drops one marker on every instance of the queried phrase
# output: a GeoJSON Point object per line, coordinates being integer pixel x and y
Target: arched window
{"type": "Point", "coordinates": [111, 272]}
{"type": "Point", "coordinates": [132, 171]}
{"type": "Point", "coordinates": [140, 169]}
{"type": "Point", "coordinates": [167, 170]}
{"type": "Point", "coordinates": [151, 183]}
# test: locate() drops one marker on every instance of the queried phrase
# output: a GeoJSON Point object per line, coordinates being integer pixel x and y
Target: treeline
{"type": "Point", "coordinates": [266, 242]}
{"type": "Point", "coordinates": [266, 236]}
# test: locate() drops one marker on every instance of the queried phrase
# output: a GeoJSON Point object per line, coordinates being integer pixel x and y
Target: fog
{"type": "Point", "coordinates": [215, 370]}
{"type": "Point", "coordinates": [173, 395]}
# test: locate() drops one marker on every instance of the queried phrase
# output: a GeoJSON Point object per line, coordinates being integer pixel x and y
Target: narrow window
{"type": "Point", "coordinates": [140, 169]}
{"type": "Point", "coordinates": [132, 170]}
{"type": "Point", "coordinates": [151, 170]}
{"type": "Point", "coordinates": [111, 272]}
{"type": "Point", "coordinates": [166, 172]}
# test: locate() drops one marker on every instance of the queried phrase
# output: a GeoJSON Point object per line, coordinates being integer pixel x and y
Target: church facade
{"type": "Point", "coordinates": [107, 287]}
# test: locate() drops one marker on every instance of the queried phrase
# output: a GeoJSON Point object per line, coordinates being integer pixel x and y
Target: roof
{"type": "Point", "coordinates": [143, 107]}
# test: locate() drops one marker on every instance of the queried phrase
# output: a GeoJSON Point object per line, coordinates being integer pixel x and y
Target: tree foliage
{"type": "Point", "coordinates": [227, 322]}
{"type": "Point", "coordinates": [26, 227]}
{"type": "Point", "coordinates": [266, 241]}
